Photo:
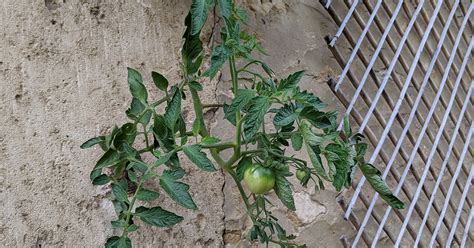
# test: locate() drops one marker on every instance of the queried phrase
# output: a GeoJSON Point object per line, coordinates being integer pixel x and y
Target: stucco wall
{"type": "Point", "coordinates": [63, 80]}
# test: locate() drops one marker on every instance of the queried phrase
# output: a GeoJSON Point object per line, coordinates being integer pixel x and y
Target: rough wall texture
{"type": "Point", "coordinates": [63, 80]}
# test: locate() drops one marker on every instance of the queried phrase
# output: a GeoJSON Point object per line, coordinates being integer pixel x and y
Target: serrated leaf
{"type": "Point", "coordinates": [291, 81]}
{"type": "Point", "coordinates": [119, 193]}
{"type": "Point", "coordinates": [220, 54]}
{"type": "Point", "coordinates": [199, 10]}
{"type": "Point", "coordinates": [93, 141]}
{"type": "Point", "coordinates": [317, 118]}
{"type": "Point", "coordinates": [309, 137]}
{"type": "Point", "coordinates": [118, 242]}
{"type": "Point", "coordinates": [178, 191]}
{"type": "Point", "coordinates": [192, 48]}
{"type": "Point", "coordinates": [374, 178]}
{"type": "Point", "coordinates": [173, 110]}
{"type": "Point", "coordinates": [135, 82]}
{"type": "Point", "coordinates": [285, 116]}
{"type": "Point", "coordinates": [225, 7]}
{"type": "Point", "coordinates": [160, 81]}
{"type": "Point", "coordinates": [255, 116]}
{"type": "Point", "coordinates": [136, 111]}
{"type": "Point", "coordinates": [244, 96]}
{"type": "Point", "coordinates": [313, 150]}
{"type": "Point", "coordinates": [164, 158]}
{"type": "Point", "coordinates": [157, 216]}
{"type": "Point", "coordinates": [110, 157]}
{"type": "Point", "coordinates": [309, 99]}
{"type": "Point", "coordinates": [199, 158]}
{"type": "Point", "coordinates": [296, 141]}
{"type": "Point", "coordinates": [342, 159]}
{"type": "Point", "coordinates": [147, 195]}
{"type": "Point", "coordinates": [284, 192]}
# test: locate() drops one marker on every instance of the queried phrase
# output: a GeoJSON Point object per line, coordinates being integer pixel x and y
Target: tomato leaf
{"type": "Point", "coordinates": [296, 141]}
{"type": "Point", "coordinates": [254, 118]}
{"type": "Point", "coordinates": [157, 216]}
{"type": "Point", "coordinates": [317, 118]}
{"type": "Point", "coordinates": [195, 85]}
{"type": "Point", "coordinates": [220, 54]}
{"type": "Point", "coordinates": [101, 180]}
{"type": "Point", "coordinates": [93, 141]}
{"type": "Point", "coordinates": [308, 99]}
{"type": "Point", "coordinates": [199, 14]}
{"type": "Point", "coordinates": [147, 195]}
{"type": "Point", "coordinates": [118, 242]}
{"type": "Point", "coordinates": [291, 81]}
{"type": "Point", "coordinates": [109, 158]}
{"type": "Point", "coordinates": [210, 140]}
{"type": "Point", "coordinates": [192, 47]}
{"type": "Point", "coordinates": [244, 96]}
{"type": "Point", "coordinates": [373, 176]}
{"type": "Point", "coordinates": [173, 110]}
{"type": "Point", "coordinates": [178, 191]}
{"type": "Point", "coordinates": [284, 192]}
{"type": "Point", "coordinates": [285, 116]}
{"type": "Point", "coordinates": [119, 193]}
{"type": "Point", "coordinates": [199, 158]}
{"type": "Point", "coordinates": [135, 82]}
{"type": "Point", "coordinates": [136, 110]}
{"type": "Point", "coordinates": [225, 7]}
{"type": "Point", "coordinates": [160, 81]}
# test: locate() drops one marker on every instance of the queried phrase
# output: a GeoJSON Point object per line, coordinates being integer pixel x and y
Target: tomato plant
{"type": "Point", "coordinates": [261, 156]}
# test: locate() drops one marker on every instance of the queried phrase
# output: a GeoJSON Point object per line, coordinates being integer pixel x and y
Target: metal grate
{"type": "Point", "coordinates": [407, 81]}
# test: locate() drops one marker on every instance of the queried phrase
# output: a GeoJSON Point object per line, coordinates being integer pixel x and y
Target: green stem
{"type": "Point", "coordinates": [219, 146]}
{"type": "Point", "coordinates": [146, 136]}
{"type": "Point", "coordinates": [213, 105]}
{"type": "Point", "coordinates": [254, 74]}
{"type": "Point", "coordinates": [129, 210]}
{"type": "Point", "coordinates": [200, 116]}
{"type": "Point", "coordinates": [241, 189]}
{"type": "Point", "coordinates": [253, 151]}
{"type": "Point", "coordinates": [233, 74]}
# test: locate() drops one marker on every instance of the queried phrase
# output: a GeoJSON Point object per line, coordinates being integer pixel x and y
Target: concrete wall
{"type": "Point", "coordinates": [63, 80]}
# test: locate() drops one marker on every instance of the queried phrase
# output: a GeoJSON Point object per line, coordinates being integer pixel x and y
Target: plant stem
{"type": "Point", "coordinates": [146, 136]}
{"type": "Point", "coordinates": [253, 151]}
{"type": "Point", "coordinates": [219, 146]}
{"type": "Point", "coordinates": [200, 116]}
{"type": "Point", "coordinates": [130, 207]}
{"type": "Point", "coordinates": [241, 189]}
{"type": "Point", "coordinates": [213, 105]}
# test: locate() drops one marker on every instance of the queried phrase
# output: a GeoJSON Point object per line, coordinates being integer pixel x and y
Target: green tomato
{"type": "Point", "coordinates": [259, 179]}
{"type": "Point", "coordinates": [301, 174]}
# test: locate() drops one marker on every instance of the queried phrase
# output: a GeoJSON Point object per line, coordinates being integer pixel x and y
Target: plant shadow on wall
{"type": "Point", "coordinates": [260, 158]}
